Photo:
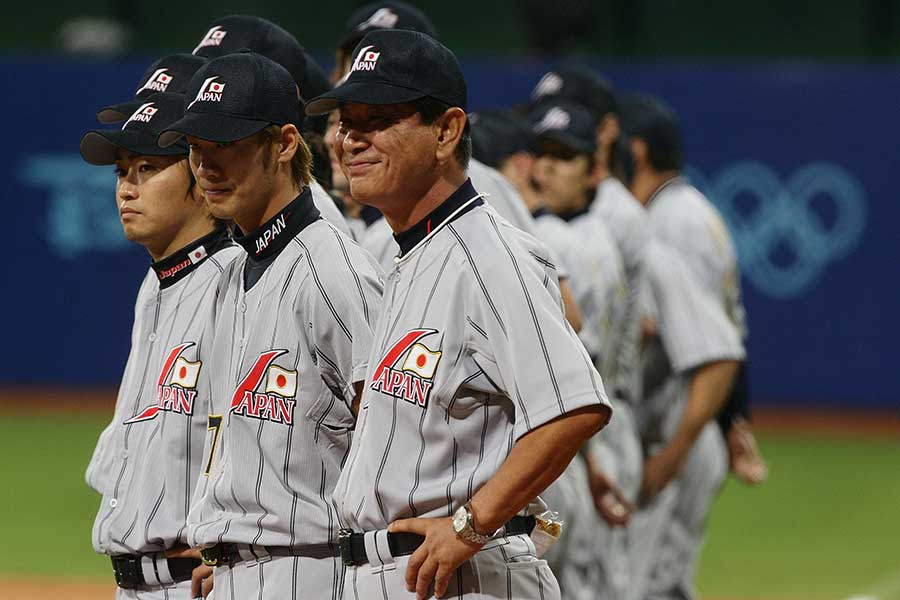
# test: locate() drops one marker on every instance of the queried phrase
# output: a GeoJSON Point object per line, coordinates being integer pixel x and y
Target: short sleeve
{"type": "Point", "coordinates": [692, 324]}
{"type": "Point", "coordinates": [533, 356]}
{"type": "Point", "coordinates": [343, 301]}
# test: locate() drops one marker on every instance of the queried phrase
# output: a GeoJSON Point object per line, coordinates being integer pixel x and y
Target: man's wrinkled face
{"type": "Point", "coordinates": [386, 153]}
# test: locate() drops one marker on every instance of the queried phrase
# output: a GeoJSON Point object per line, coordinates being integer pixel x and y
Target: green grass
{"type": "Point", "coordinates": [825, 526]}
{"type": "Point", "coordinates": [47, 509]}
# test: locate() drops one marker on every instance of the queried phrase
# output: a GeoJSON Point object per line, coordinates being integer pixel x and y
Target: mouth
{"type": "Point", "coordinates": [126, 213]}
{"type": "Point", "coordinates": [213, 194]}
{"type": "Point", "coordinates": [360, 167]}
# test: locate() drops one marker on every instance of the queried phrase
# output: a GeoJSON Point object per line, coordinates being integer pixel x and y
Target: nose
{"type": "Point", "coordinates": [126, 189]}
{"type": "Point", "coordinates": [351, 140]}
{"type": "Point", "coordinates": [204, 164]}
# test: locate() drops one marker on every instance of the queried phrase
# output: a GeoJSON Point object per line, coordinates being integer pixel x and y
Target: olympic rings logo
{"type": "Point", "coordinates": [787, 233]}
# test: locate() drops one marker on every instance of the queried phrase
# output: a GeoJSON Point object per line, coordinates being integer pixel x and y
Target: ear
{"type": "Point", "coordinates": [638, 151]}
{"type": "Point", "coordinates": [539, 170]}
{"type": "Point", "coordinates": [290, 140]}
{"type": "Point", "coordinates": [450, 129]}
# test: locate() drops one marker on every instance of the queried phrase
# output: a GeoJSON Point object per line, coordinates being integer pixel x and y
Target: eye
{"type": "Point", "coordinates": [194, 147]}
{"type": "Point", "coordinates": [224, 144]}
{"type": "Point", "coordinates": [119, 171]}
{"type": "Point", "coordinates": [146, 168]}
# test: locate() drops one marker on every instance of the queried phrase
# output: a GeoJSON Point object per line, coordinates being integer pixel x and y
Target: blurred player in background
{"type": "Point", "coordinates": [149, 457]}
{"type": "Point", "coordinates": [686, 220]}
{"type": "Point", "coordinates": [689, 370]}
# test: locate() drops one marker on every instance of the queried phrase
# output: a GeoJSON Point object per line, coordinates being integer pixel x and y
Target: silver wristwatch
{"type": "Point", "coordinates": [462, 525]}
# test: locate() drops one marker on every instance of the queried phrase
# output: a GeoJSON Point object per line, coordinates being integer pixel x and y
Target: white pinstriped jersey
{"type": "Point", "coordinates": [598, 283]}
{"type": "Point", "coordinates": [626, 221]}
{"type": "Point", "coordinates": [693, 330]}
{"type": "Point", "coordinates": [497, 191]}
{"type": "Point", "coordinates": [683, 218]}
{"type": "Point", "coordinates": [148, 458]}
{"type": "Point", "coordinates": [472, 352]}
{"type": "Point", "coordinates": [293, 333]}
{"type": "Point", "coordinates": [606, 309]}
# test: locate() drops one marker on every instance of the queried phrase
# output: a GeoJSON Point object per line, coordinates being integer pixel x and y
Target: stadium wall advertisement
{"type": "Point", "coordinates": [799, 158]}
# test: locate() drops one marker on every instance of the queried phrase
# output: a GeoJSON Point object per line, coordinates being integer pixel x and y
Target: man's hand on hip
{"type": "Point", "coordinates": [438, 556]}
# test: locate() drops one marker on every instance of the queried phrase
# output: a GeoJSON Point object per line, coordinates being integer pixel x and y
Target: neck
{"type": "Point", "coordinates": [189, 232]}
{"type": "Point", "coordinates": [404, 214]}
{"type": "Point", "coordinates": [646, 182]}
{"type": "Point", "coordinates": [284, 192]}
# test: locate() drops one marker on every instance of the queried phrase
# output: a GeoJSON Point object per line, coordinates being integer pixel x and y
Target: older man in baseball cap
{"type": "Point", "coordinates": [478, 393]}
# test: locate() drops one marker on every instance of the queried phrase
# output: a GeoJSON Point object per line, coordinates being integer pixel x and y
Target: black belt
{"type": "Point", "coordinates": [353, 545]}
{"type": "Point", "coordinates": [130, 575]}
{"type": "Point", "coordinates": [227, 553]}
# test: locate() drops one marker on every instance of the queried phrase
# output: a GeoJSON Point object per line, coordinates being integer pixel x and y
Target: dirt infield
{"type": "Point", "coordinates": [32, 589]}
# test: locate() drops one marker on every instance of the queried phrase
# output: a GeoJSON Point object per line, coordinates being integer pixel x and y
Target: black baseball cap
{"type": "Point", "coordinates": [498, 135]}
{"type": "Point", "coordinates": [384, 15]}
{"type": "Point", "coordinates": [566, 123]}
{"type": "Point", "coordinates": [157, 112]}
{"type": "Point", "coordinates": [168, 74]}
{"type": "Point", "coordinates": [650, 119]}
{"type": "Point", "coordinates": [233, 97]}
{"type": "Point", "coordinates": [393, 66]}
{"type": "Point", "coordinates": [236, 32]}
{"type": "Point", "coordinates": [579, 84]}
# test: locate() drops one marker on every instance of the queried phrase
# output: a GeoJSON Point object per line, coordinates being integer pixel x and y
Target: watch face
{"type": "Point", "coordinates": [460, 517]}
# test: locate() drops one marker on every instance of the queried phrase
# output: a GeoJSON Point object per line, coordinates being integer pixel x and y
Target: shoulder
{"type": "Point", "coordinates": [335, 262]}
{"type": "Point", "coordinates": [501, 194]}
{"type": "Point", "coordinates": [492, 246]}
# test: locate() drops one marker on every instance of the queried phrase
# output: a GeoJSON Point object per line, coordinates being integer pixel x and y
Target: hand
{"type": "Point", "coordinates": [438, 556]}
{"type": "Point", "coordinates": [744, 459]}
{"type": "Point", "coordinates": [610, 502]}
{"type": "Point", "coordinates": [182, 551]}
{"type": "Point", "coordinates": [659, 470]}
{"type": "Point", "coordinates": [201, 581]}
{"type": "Point", "coordinates": [201, 577]}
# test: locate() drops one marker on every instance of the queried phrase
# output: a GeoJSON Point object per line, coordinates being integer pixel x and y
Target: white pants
{"type": "Point", "coordinates": [669, 533]}
{"type": "Point", "coordinates": [505, 568]}
{"type": "Point", "coordinates": [176, 591]}
{"type": "Point", "coordinates": [280, 578]}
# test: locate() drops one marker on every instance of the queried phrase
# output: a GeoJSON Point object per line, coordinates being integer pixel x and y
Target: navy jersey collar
{"type": "Point", "coordinates": [678, 179]}
{"type": "Point", "coordinates": [178, 265]}
{"type": "Point", "coordinates": [270, 238]}
{"type": "Point", "coordinates": [408, 239]}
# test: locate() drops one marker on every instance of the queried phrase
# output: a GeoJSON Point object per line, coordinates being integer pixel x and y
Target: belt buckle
{"type": "Point", "coordinates": [344, 537]}
{"type": "Point", "coordinates": [127, 570]}
{"type": "Point", "coordinates": [211, 556]}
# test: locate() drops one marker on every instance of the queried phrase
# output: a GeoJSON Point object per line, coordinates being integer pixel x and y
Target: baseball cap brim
{"type": "Point", "coordinates": [99, 147]}
{"type": "Point", "coordinates": [211, 127]}
{"type": "Point", "coordinates": [569, 141]}
{"type": "Point", "coordinates": [118, 112]}
{"type": "Point", "coordinates": [362, 92]}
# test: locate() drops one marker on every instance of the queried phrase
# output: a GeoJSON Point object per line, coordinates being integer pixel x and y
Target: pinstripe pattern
{"type": "Point", "coordinates": [148, 468]}
{"type": "Point", "coordinates": [485, 293]}
{"type": "Point", "coordinates": [271, 481]}
{"type": "Point", "coordinates": [684, 219]}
